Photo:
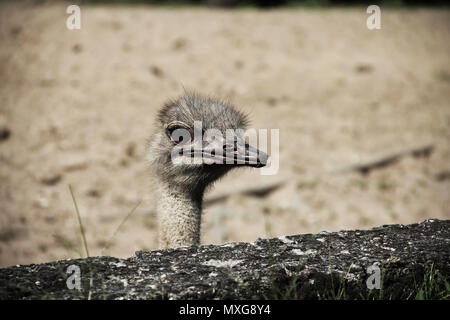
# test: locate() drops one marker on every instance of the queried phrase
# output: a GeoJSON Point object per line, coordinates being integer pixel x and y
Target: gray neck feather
{"type": "Point", "coordinates": [179, 215]}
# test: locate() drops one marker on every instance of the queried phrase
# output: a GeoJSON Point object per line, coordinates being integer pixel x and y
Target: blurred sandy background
{"type": "Point", "coordinates": [76, 107]}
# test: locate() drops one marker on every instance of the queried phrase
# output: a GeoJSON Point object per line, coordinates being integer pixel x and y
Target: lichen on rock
{"type": "Point", "coordinates": [326, 265]}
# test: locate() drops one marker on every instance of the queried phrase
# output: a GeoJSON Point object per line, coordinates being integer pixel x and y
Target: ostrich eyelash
{"type": "Point", "coordinates": [175, 125]}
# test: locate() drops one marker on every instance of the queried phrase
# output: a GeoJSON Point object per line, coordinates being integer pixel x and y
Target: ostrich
{"type": "Point", "coordinates": [183, 178]}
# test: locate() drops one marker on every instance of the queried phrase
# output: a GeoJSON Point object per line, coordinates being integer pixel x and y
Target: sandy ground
{"type": "Point", "coordinates": [76, 107]}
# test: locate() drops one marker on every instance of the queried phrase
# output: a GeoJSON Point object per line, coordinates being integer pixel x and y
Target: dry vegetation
{"type": "Point", "coordinates": [76, 107]}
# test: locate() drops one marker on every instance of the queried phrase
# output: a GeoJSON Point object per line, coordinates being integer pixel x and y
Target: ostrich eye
{"type": "Point", "coordinates": [178, 132]}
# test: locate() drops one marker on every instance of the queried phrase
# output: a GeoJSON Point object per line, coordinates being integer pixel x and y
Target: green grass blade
{"type": "Point", "coordinates": [69, 246]}
{"type": "Point", "coordinates": [79, 221]}
{"type": "Point", "coordinates": [108, 243]}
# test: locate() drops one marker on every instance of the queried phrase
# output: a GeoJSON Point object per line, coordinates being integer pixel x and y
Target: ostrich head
{"type": "Point", "coordinates": [198, 140]}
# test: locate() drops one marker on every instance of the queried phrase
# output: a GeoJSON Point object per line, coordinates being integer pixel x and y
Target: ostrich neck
{"type": "Point", "coordinates": [179, 217]}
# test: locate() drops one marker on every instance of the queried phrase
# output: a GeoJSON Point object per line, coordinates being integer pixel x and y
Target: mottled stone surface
{"type": "Point", "coordinates": [303, 266]}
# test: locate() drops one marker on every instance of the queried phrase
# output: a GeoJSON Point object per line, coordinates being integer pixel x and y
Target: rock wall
{"type": "Point", "coordinates": [400, 260]}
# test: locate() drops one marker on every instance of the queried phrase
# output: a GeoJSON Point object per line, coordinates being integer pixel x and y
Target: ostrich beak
{"type": "Point", "coordinates": [234, 153]}
{"type": "Point", "coordinates": [250, 156]}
